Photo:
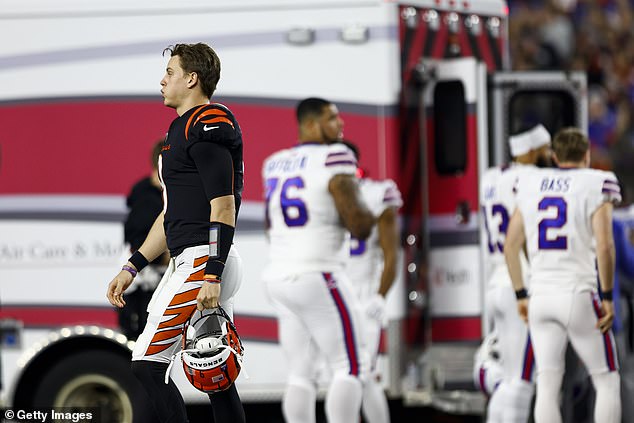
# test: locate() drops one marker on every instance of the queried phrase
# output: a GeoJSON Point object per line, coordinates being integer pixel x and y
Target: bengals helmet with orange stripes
{"type": "Point", "coordinates": [212, 350]}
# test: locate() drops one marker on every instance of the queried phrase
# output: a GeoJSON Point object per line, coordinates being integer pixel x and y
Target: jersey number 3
{"type": "Point", "coordinates": [496, 244]}
{"type": "Point", "coordinates": [293, 208]}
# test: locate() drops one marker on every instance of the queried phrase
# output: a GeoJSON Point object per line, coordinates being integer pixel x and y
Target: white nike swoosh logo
{"type": "Point", "coordinates": [209, 128]}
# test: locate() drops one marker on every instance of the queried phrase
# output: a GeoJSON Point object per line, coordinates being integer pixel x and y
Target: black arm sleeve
{"type": "Point", "coordinates": [215, 167]}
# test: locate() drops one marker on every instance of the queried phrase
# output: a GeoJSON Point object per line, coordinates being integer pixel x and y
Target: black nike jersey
{"type": "Point", "coordinates": [201, 160]}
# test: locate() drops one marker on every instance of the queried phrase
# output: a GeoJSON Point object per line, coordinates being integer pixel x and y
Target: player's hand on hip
{"type": "Point", "coordinates": [208, 296]}
{"type": "Point", "coordinates": [117, 287]}
{"type": "Point", "coordinates": [522, 309]}
{"type": "Point", "coordinates": [607, 316]}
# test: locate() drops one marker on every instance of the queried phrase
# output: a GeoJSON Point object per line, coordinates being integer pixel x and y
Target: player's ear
{"type": "Point", "coordinates": [308, 126]}
{"type": "Point", "coordinates": [192, 79]}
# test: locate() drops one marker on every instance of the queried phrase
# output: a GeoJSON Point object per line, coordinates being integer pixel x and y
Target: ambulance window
{"type": "Point", "coordinates": [450, 117]}
{"type": "Point", "coordinates": [554, 109]}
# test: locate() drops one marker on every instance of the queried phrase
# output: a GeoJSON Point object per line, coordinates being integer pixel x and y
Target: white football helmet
{"type": "Point", "coordinates": [487, 369]}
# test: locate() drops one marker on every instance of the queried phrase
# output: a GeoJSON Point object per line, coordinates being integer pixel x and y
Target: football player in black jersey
{"type": "Point", "coordinates": [201, 172]}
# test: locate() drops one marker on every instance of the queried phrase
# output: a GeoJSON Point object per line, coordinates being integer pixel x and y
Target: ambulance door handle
{"type": "Point", "coordinates": [424, 72]}
{"type": "Point", "coordinates": [463, 212]}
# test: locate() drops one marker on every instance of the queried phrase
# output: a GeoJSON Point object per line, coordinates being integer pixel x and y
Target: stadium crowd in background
{"type": "Point", "coordinates": [595, 36]}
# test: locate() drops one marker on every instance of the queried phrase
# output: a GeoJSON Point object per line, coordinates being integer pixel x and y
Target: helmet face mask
{"type": "Point", "coordinates": [212, 350]}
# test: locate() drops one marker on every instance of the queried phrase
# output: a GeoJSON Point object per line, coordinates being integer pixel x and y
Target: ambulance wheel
{"type": "Point", "coordinates": [95, 380]}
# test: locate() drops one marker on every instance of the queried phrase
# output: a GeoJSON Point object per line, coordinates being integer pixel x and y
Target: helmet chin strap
{"type": "Point", "coordinates": [169, 367]}
{"type": "Point", "coordinates": [197, 350]}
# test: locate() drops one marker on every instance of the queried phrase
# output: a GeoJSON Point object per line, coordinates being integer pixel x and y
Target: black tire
{"type": "Point", "coordinates": [96, 379]}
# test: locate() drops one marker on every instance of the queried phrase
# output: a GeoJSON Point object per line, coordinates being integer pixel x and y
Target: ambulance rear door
{"type": "Point", "coordinates": [454, 146]}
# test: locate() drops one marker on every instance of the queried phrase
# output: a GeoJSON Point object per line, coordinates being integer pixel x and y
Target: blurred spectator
{"type": "Point", "coordinates": [144, 202]}
{"type": "Point", "coordinates": [597, 37]}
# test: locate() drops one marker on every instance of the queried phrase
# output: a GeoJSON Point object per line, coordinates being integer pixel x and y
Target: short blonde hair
{"type": "Point", "coordinates": [570, 145]}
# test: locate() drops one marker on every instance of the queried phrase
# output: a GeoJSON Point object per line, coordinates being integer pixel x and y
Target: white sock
{"type": "Point", "coordinates": [518, 397]}
{"type": "Point", "coordinates": [374, 403]}
{"type": "Point", "coordinates": [298, 404]}
{"type": "Point", "coordinates": [343, 401]}
{"type": "Point", "coordinates": [547, 402]}
{"type": "Point", "coordinates": [607, 406]}
{"type": "Point", "coordinates": [495, 408]}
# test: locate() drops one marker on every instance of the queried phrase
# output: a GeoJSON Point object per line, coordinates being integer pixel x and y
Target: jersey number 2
{"type": "Point", "coordinates": [559, 242]}
{"type": "Point", "coordinates": [294, 209]}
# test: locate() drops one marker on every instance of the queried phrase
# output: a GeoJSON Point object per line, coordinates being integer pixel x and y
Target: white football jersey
{"type": "Point", "coordinates": [365, 264]}
{"type": "Point", "coordinates": [497, 204]}
{"type": "Point", "coordinates": [557, 207]}
{"type": "Point", "coordinates": [303, 225]}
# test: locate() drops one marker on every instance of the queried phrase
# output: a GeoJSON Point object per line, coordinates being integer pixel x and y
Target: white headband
{"type": "Point", "coordinates": [540, 136]}
{"type": "Point", "coordinates": [520, 144]}
{"type": "Point", "coordinates": [530, 140]}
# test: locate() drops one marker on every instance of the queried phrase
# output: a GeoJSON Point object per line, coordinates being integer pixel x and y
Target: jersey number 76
{"type": "Point", "coordinates": [293, 208]}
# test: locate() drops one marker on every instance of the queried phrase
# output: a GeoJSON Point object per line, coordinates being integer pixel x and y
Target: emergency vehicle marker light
{"type": "Point", "coordinates": [453, 22]}
{"type": "Point", "coordinates": [432, 19]}
{"type": "Point", "coordinates": [355, 34]}
{"type": "Point", "coordinates": [473, 23]}
{"type": "Point", "coordinates": [409, 15]}
{"type": "Point", "coordinates": [300, 36]}
{"type": "Point", "coordinates": [494, 26]}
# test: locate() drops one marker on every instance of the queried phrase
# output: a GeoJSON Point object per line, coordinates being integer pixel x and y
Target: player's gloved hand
{"type": "Point", "coordinates": [375, 308]}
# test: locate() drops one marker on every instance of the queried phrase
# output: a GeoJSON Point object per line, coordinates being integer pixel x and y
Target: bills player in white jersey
{"type": "Point", "coordinates": [372, 268]}
{"type": "Point", "coordinates": [312, 204]}
{"type": "Point", "coordinates": [512, 399]}
{"type": "Point", "coordinates": [564, 216]}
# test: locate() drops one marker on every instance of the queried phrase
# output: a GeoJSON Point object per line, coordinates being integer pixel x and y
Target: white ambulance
{"type": "Point", "coordinates": [424, 88]}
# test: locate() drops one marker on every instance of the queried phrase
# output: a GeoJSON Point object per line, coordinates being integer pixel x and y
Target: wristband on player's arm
{"type": "Point", "coordinates": [220, 240]}
{"type": "Point", "coordinates": [520, 294]}
{"type": "Point", "coordinates": [138, 260]}
{"type": "Point", "coordinates": [606, 295]}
